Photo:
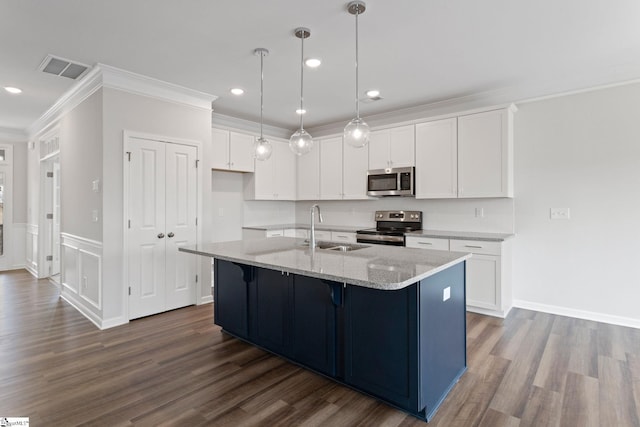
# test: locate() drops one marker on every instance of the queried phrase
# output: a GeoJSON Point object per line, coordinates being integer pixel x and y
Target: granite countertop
{"type": "Point", "coordinates": [374, 266]}
{"type": "Point", "coordinates": [461, 235]}
{"type": "Point", "coordinates": [318, 226]}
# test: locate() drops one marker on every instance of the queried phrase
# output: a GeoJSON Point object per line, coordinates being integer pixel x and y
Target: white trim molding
{"type": "Point", "coordinates": [578, 314]}
{"type": "Point", "coordinates": [102, 75]}
{"type": "Point", "coordinates": [31, 249]}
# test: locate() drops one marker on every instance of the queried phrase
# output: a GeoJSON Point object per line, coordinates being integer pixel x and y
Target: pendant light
{"type": "Point", "coordinates": [301, 142]}
{"type": "Point", "coordinates": [356, 133]}
{"type": "Point", "coordinates": [262, 147]}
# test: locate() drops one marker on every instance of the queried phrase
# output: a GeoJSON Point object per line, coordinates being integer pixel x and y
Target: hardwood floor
{"type": "Point", "coordinates": [177, 368]}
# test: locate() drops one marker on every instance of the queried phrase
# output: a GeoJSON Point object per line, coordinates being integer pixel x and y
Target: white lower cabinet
{"type": "Point", "coordinates": [488, 271]}
{"type": "Point", "coordinates": [344, 237]}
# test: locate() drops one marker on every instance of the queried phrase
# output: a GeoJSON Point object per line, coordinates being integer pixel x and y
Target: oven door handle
{"type": "Point", "coordinates": [379, 238]}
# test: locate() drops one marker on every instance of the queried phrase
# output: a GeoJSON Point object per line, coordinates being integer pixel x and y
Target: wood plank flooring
{"type": "Point", "coordinates": [178, 368]}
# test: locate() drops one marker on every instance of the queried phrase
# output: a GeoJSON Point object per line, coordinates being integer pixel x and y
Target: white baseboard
{"type": "Point", "coordinates": [488, 312]}
{"type": "Point", "coordinates": [73, 300]}
{"type": "Point", "coordinates": [579, 314]}
{"type": "Point", "coordinates": [205, 300]}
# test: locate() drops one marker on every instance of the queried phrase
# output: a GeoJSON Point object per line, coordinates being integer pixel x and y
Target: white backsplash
{"type": "Point", "coordinates": [454, 215]}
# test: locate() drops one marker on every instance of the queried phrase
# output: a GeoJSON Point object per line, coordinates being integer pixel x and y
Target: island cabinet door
{"type": "Point", "coordinates": [269, 310]}
{"type": "Point", "coordinates": [313, 322]}
{"type": "Point", "coordinates": [381, 343]}
{"type": "Point", "coordinates": [231, 296]}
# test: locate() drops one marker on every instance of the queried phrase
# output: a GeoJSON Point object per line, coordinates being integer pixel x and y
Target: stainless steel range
{"type": "Point", "coordinates": [390, 227]}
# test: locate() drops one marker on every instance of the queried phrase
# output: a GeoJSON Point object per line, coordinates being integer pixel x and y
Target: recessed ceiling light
{"type": "Point", "coordinates": [373, 93]}
{"type": "Point", "coordinates": [13, 90]}
{"type": "Point", "coordinates": [237, 91]}
{"type": "Point", "coordinates": [299, 111]}
{"type": "Point", "coordinates": [312, 62]}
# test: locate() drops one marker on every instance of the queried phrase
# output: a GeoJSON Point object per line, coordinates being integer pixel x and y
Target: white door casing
{"type": "Point", "coordinates": [162, 214]}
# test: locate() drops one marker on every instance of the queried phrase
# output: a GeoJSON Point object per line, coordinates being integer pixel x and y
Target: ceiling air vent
{"type": "Point", "coordinates": [62, 67]}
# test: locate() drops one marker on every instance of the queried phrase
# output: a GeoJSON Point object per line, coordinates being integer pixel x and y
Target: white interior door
{"type": "Point", "coordinates": [55, 229]}
{"type": "Point", "coordinates": [162, 215]}
{"type": "Point", "coordinates": [181, 213]}
{"type": "Point", "coordinates": [146, 228]}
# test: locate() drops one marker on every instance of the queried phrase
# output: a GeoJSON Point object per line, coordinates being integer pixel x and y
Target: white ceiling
{"type": "Point", "coordinates": [414, 51]}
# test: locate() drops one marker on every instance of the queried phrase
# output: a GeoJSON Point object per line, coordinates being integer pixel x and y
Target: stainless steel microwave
{"type": "Point", "coordinates": [391, 182]}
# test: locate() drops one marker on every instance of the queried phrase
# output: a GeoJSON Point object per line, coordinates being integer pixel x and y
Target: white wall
{"type": "Point", "coordinates": [580, 152]}
{"type": "Point", "coordinates": [136, 113]}
{"type": "Point", "coordinates": [80, 164]}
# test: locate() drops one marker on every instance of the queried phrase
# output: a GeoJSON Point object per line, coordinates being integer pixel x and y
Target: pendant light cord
{"type": "Point", "coordinates": [261, 91]}
{"type": "Point", "coordinates": [357, 102]}
{"type": "Point", "coordinates": [302, 82]}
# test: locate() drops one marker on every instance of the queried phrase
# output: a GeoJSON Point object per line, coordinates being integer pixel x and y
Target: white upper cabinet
{"type": "Point", "coordinates": [331, 169]}
{"type": "Point", "coordinates": [232, 151]}
{"type": "Point", "coordinates": [309, 174]}
{"type": "Point", "coordinates": [485, 154]}
{"type": "Point", "coordinates": [437, 159]}
{"type": "Point", "coordinates": [274, 178]}
{"type": "Point", "coordinates": [355, 162]}
{"type": "Point", "coordinates": [392, 148]}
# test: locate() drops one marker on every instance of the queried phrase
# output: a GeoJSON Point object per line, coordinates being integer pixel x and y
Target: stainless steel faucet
{"type": "Point", "coordinates": [312, 237]}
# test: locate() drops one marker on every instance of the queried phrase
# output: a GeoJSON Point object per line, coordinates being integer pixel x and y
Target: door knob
{"type": "Point", "coordinates": [170, 235]}
{"type": "Point", "coordinates": [161, 235]}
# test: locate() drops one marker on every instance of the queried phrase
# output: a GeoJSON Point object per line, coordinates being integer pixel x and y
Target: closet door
{"type": "Point", "coordinates": [162, 218]}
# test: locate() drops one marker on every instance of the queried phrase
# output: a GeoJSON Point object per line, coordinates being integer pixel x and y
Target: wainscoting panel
{"type": "Point", "coordinates": [31, 249]}
{"type": "Point", "coordinates": [81, 274]}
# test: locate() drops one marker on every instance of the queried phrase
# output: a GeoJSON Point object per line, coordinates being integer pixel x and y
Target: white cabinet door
{"type": "Point", "coordinates": [309, 175]}
{"type": "Point", "coordinates": [220, 149]}
{"type": "Point", "coordinates": [392, 148]}
{"type": "Point", "coordinates": [379, 149]}
{"type": "Point", "coordinates": [331, 169]}
{"type": "Point", "coordinates": [402, 146]}
{"type": "Point", "coordinates": [355, 162]}
{"type": "Point", "coordinates": [241, 154]}
{"type": "Point", "coordinates": [437, 159]}
{"type": "Point", "coordinates": [485, 156]}
{"type": "Point", "coordinates": [263, 180]}
{"type": "Point", "coordinates": [483, 275]}
{"type": "Point", "coordinates": [285, 172]}
{"type": "Point", "coordinates": [232, 151]}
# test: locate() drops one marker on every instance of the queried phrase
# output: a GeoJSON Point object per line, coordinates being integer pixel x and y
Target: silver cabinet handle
{"type": "Point", "coordinates": [472, 246]}
{"type": "Point", "coordinates": [161, 236]}
{"type": "Point", "coordinates": [170, 235]}
{"type": "Point", "coordinates": [425, 243]}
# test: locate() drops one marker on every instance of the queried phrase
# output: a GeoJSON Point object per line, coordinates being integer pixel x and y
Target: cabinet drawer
{"type": "Point", "coordinates": [427, 243]}
{"type": "Point", "coordinates": [475, 247]}
{"type": "Point", "coordinates": [322, 235]}
{"type": "Point", "coordinates": [340, 236]}
{"type": "Point", "coordinates": [275, 233]}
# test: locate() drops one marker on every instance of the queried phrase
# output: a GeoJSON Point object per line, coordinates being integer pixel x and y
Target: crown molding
{"type": "Point", "coordinates": [102, 75]}
{"type": "Point", "coordinates": [13, 135]}
{"type": "Point", "coordinates": [116, 78]}
{"type": "Point", "coordinates": [229, 122]}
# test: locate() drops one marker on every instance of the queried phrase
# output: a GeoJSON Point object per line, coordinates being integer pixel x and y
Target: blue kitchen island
{"type": "Point", "coordinates": [387, 321]}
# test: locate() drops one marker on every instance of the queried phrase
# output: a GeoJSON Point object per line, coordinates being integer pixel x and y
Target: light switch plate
{"type": "Point", "coordinates": [446, 293]}
{"type": "Point", "coordinates": [559, 213]}
{"type": "Point", "coordinates": [94, 215]}
{"type": "Point", "coordinates": [95, 185]}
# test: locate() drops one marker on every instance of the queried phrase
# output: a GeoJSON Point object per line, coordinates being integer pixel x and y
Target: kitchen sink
{"type": "Point", "coordinates": [338, 247]}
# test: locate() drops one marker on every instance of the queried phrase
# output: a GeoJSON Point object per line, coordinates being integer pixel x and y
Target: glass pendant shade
{"type": "Point", "coordinates": [262, 148]}
{"type": "Point", "coordinates": [301, 142]}
{"type": "Point", "coordinates": [356, 133]}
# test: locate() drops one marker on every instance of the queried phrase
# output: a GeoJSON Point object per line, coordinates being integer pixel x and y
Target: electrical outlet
{"type": "Point", "coordinates": [559, 213]}
{"type": "Point", "coordinates": [84, 282]}
{"type": "Point", "coordinates": [479, 212]}
{"type": "Point", "coordinates": [95, 185]}
{"type": "Point", "coordinates": [94, 215]}
{"type": "Point", "coordinates": [446, 293]}
{"type": "Point", "coordinates": [220, 211]}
